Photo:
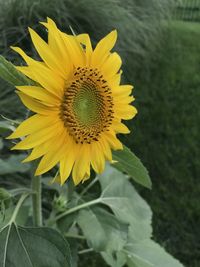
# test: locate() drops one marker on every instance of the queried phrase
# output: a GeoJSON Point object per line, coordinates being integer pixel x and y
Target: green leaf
{"type": "Point", "coordinates": [65, 223]}
{"type": "Point", "coordinates": [119, 194]}
{"type": "Point", "coordinates": [74, 251]}
{"type": "Point", "coordinates": [23, 214]}
{"type": "Point", "coordinates": [102, 229]}
{"type": "Point", "coordinates": [127, 162]}
{"type": "Point", "coordinates": [115, 260]}
{"type": "Point", "coordinates": [4, 194]}
{"type": "Point", "coordinates": [147, 253]}
{"type": "Point", "coordinates": [5, 200]}
{"type": "Point", "coordinates": [33, 247]}
{"type": "Point", "coordinates": [13, 164]}
{"type": "Point", "coordinates": [5, 217]}
{"type": "Point", "coordinates": [9, 73]}
{"type": "Point", "coordinates": [6, 126]}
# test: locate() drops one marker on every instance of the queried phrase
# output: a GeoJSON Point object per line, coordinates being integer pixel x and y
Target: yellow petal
{"type": "Point", "coordinates": [97, 158]}
{"type": "Point", "coordinates": [26, 71]}
{"type": "Point", "coordinates": [48, 79]}
{"type": "Point", "coordinates": [112, 140]}
{"type": "Point", "coordinates": [26, 58]}
{"type": "Point", "coordinates": [75, 50]}
{"type": "Point", "coordinates": [66, 165]}
{"type": "Point", "coordinates": [36, 106]}
{"type": "Point", "coordinates": [47, 54]}
{"type": "Point", "coordinates": [102, 50]}
{"type": "Point", "coordinates": [67, 162]}
{"type": "Point", "coordinates": [33, 124]}
{"type": "Point", "coordinates": [40, 94]}
{"type": "Point", "coordinates": [120, 128]}
{"type": "Point", "coordinates": [122, 90]}
{"type": "Point", "coordinates": [40, 150]}
{"type": "Point", "coordinates": [123, 100]}
{"type": "Point", "coordinates": [125, 112]}
{"type": "Point", "coordinates": [53, 156]}
{"type": "Point", "coordinates": [40, 137]}
{"type": "Point", "coordinates": [40, 73]}
{"type": "Point", "coordinates": [111, 66]}
{"type": "Point", "coordinates": [115, 80]}
{"type": "Point", "coordinates": [85, 40]}
{"type": "Point", "coordinates": [57, 45]}
{"type": "Point", "coordinates": [106, 149]}
{"type": "Point", "coordinates": [81, 167]}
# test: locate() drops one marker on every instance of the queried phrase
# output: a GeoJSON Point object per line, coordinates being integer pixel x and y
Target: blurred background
{"type": "Point", "coordinates": [159, 41]}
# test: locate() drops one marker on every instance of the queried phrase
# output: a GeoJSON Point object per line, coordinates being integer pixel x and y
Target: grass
{"type": "Point", "coordinates": [166, 138]}
{"type": "Point", "coordinates": [188, 10]}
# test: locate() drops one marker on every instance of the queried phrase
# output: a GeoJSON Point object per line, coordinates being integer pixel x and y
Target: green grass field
{"type": "Point", "coordinates": [166, 138]}
{"type": "Point", "coordinates": [188, 10]}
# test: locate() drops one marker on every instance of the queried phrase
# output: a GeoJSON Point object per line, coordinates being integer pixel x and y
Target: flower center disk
{"type": "Point", "coordinates": [87, 105]}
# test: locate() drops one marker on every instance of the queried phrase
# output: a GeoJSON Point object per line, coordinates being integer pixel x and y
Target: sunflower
{"type": "Point", "coordinates": [78, 103]}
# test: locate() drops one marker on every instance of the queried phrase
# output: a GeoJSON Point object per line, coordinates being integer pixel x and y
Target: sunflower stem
{"type": "Point", "coordinates": [79, 207]}
{"type": "Point", "coordinates": [81, 237]}
{"type": "Point", "coordinates": [89, 186]}
{"type": "Point", "coordinates": [36, 200]}
{"type": "Point", "coordinates": [17, 208]}
{"type": "Point", "coordinates": [87, 250]}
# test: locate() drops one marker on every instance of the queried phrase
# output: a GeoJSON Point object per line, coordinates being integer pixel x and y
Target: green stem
{"type": "Point", "coordinates": [89, 186]}
{"type": "Point", "coordinates": [87, 250]}
{"type": "Point", "coordinates": [36, 201]}
{"type": "Point", "coordinates": [82, 206]}
{"type": "Point", "coordinates": [17, 208]}
{"type": "Point", "coordinates": [75, 236]}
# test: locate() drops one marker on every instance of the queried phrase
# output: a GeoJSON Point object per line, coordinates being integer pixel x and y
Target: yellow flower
{"type": "Point", "coordinates": [78, 101]}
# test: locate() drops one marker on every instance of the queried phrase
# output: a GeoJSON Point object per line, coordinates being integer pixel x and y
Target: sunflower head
{"type": "Point", "coordinates": [78, 103]}
{"type": "Point", "coordinates": [87, 106]}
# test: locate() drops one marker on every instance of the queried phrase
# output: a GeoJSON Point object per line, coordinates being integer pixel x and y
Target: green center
{"type": "Point", "coordinates": [87, 105]}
